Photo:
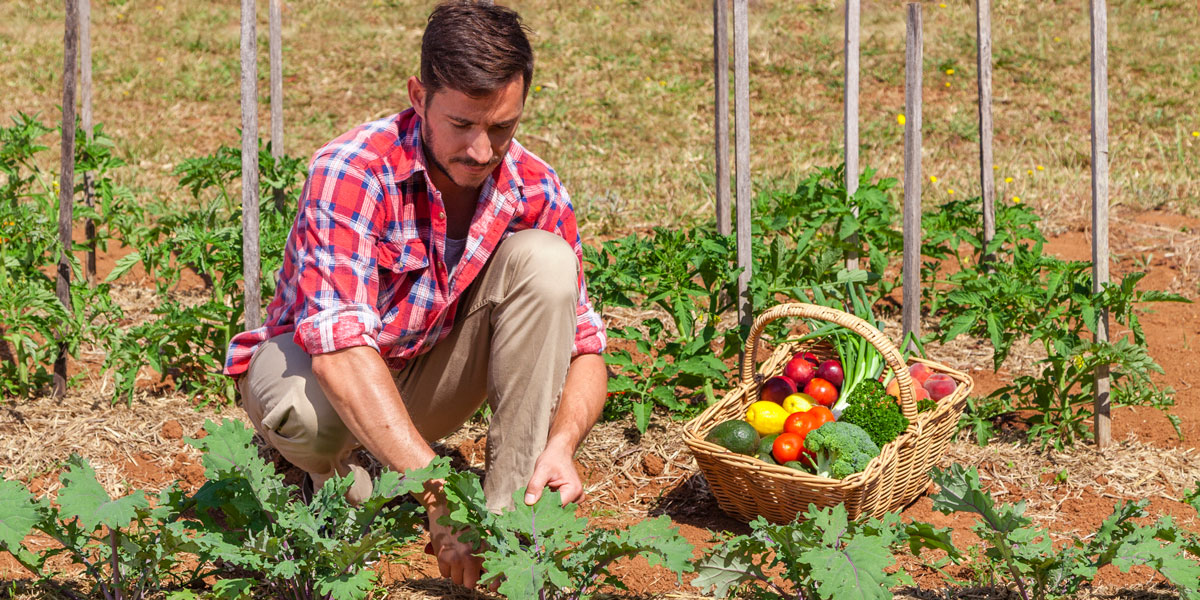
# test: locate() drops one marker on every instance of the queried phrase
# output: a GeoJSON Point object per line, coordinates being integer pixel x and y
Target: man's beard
{"type": "Point", "coordinates": [427, 146]}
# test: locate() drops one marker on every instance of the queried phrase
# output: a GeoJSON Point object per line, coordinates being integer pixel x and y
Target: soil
{"type": "Point", "coordinates": [630, 477]}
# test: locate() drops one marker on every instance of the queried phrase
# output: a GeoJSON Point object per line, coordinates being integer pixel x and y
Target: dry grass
{"type": "Point", "coordinates": [624, 105]}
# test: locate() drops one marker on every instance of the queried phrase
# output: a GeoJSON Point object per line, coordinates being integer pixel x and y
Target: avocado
{"type": "Point", "coordinates": [767, 457]}
{"type": "Point", "coordinates": [767, 443]}
{"type": "Point", "coordinates": [735, 435]}
{"type": "Point", "coordinates": [795, 464]}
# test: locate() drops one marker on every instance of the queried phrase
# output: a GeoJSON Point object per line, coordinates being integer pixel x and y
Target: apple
{"type": "Point", "coordinates": [776, 389]}
{"type": "Point", "coordinates": [800, 371]}
{"type": "Point", "coordinates": [831, 371]}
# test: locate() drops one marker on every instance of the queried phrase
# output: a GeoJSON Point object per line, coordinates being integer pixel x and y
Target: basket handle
{"type": "Point", "coordinates": [891, 355]}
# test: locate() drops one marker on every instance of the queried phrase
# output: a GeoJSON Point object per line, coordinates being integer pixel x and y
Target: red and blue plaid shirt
{"type": "Point", "coordinates": [365, 261]}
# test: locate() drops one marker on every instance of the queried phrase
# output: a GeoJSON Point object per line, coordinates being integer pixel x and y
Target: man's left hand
{"type": "Point", "coordinates": [555, 468]}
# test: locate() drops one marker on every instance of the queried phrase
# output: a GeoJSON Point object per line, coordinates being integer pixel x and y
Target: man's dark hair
{"type": "Point", "coordinates": [474, 47]}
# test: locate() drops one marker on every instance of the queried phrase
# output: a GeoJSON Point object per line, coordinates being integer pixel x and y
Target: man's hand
{"type": "Point", "coordinates": [454, 557]}
{"type": "Point", "coordinates": [555, 468]}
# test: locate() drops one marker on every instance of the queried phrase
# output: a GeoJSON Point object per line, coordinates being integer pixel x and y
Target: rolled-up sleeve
{"type": "Point", "coordinates": [341, 213]}
{"type": "Point", "coordinates": [559, 218]}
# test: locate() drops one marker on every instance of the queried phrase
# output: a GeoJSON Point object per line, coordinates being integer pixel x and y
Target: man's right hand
{"type": "Point", "coordinates": [455, 559]}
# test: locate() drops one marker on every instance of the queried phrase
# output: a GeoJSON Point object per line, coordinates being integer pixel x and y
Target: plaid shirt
{"type": "Point", "coordinates": [365, 261]}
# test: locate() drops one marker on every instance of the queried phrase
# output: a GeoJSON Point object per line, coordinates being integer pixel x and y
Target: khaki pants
{"type": "Point", "coordinates": [511, 345]}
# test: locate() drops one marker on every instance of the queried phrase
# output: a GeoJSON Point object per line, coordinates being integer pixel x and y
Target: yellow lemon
{"type": "Point", "coordinates": [798, 403]}
{"type": "Point", "coordinates": [766, 417]}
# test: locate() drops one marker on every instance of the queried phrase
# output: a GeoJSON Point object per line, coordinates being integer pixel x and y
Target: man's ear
{"type": "Point", "coordinates": [417, 96]}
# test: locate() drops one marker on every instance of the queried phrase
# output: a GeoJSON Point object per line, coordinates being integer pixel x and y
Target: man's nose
{"type": "Point", "coordinates": [480, 149]}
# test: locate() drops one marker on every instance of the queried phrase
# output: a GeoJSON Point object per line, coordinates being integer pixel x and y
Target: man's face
{"type": "Point", "coordinates": [463, 137]}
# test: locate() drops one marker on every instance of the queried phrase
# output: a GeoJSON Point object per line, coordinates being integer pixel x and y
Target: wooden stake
{"type": "Point", "coordinates": [250, 258]}
{"type": "Point", "coordinates": [89, 185]}
{"type": "Point", "coordinates": [276, 52]}
{"type": "Point", "coordinates": [851, 115]}
{"type": "Point", "coordinates": [741, 107]}
{"type": "Point", "coordinates": [911, 314]}
{"type": "Point", "coordinates": [987, 179]}
{"type": "Point", "coordinates": [1103, 418]}
{"type": "Point", "coordinates": [721, 79]}
{"type": "Point", "coordinates": [66, 185]}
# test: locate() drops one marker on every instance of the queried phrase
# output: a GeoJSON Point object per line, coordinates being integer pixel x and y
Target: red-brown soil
{"type": "Point", "coordinates": [628, 478]}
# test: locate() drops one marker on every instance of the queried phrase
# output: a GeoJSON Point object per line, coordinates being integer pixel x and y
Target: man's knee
{"type": "Point", "coordinates": [548, 261]}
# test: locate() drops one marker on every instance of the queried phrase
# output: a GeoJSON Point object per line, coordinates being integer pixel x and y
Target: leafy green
{"type": "Point", "coordinates": [545, 551]}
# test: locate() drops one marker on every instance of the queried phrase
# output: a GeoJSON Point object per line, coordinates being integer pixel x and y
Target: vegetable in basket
{"type": "Point", "coordinates": [876, 412]}
{"type": "Point", "coordinates": [840, 449]}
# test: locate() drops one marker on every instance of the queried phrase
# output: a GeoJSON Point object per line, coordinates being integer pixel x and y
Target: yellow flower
{"type": "Point", "coordinates": [1196, 134]}
{"type": "Point", "coordinates": [1041, 168]}
{"type": "Point", "coordinates": [662, 82]}
{"type": "Point", "coordinates": [647, 78]}
{"type": "Point", "coordinates": [995, 167]}
{"type": "Point", "coordinates": [1016, 200]}
{"type": "Point", "coordinates": [55, 185]}
{"type": "Point", "coordinates": [1029, 171]}
{"type": "Point", "coordinates": [1057, 39]}
{"type": "Point", "coordinates": [942, 5]}
{"type": "Point", "coordinates": [947, 84]}
{"type": "Point", "coordinates": [158, 8]}
{"type": "Point", "coordinates": [932, 179]}
{"type": "Point", "coordinates": [951, 192]}
{"type": "Point", "coordinates": [1008, 180]}
{"type": "Point", "coordinates": [160, 59]}
{"type": "Point", "coordinates": [949, 71]}
{"type": "Point", "coordinates": [900, 119]}
{"type": "Point", "coordinates": [537, 88]}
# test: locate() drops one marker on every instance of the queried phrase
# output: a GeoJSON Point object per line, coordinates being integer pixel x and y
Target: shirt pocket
{"type": "Point", "coordinates": [403, 256]}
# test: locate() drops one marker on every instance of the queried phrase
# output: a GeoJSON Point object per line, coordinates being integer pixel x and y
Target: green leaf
{"type": "Point", "coordinates": [729, 565]}
{"type": "Point", "coordinates": [233, 589]}
{"type": "Point", "coordinates": [347, 586]}
{"type": "Point", "coordinates": [18, 514]}
{"type": "Point", "coordinates": [123, 265]}
{"type": "Point", "coordinates": [83, 497]}
{"type": "Point", "coordinates": [853, 571]}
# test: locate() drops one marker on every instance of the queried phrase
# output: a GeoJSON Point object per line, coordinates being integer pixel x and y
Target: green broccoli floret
{"type": "Point", "coordinates": [841, 449]}
{"type": "Point", "coordinates": [871, 408]}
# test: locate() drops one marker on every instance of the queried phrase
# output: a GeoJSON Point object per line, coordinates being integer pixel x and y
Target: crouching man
{"type": "Point", "coordinates": [434, 265]}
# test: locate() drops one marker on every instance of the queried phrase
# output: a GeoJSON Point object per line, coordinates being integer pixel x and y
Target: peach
{"type": "Point", "coordinates": [940, 385]}
{"type": "Point", "coordinates": [893, 388]}
{"type": "Point", "coordinates": [920, 372]}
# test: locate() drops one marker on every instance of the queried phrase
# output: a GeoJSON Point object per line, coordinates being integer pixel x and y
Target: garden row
{"type": "Point", "coordinates": [673, 361]}
{"type": "Point", "coordinates": [246, 534]}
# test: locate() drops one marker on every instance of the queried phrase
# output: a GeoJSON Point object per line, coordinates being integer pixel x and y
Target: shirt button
{"type": "Point", "coordinates": [441, 215]}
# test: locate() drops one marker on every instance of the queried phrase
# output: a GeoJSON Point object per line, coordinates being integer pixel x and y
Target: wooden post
{"type": "Point", "coordinates": [987, 179]}
{"type": "Point", "coordinates": [1103, 418]}
{"type": "Point", "coordinates": [66, 185]}
{"type": "Point", "coordinates": [721, 79]}
{"type": "Point", "coordinates": [276, 52]}
{"type": "Point", "coordinates": [89, 185]}
{"type": "Point", "coordinates": [250, 259]}
{"type": "Point", "coordinates": [851, 116]}
{"type": "Point", "coordinates": [911, 314]}
{"type": "Point", "coordinates": [741, 108]}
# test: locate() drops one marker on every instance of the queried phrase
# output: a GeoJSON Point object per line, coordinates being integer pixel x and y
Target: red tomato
{"type": "Point", "coordinates": [821, 415]}
{"type": "Point", "coordinates": [799, 423]}
{"type": "Point", "coordinates": [821, 390]}
{"type": "Point", "coordinates": [787, 446]}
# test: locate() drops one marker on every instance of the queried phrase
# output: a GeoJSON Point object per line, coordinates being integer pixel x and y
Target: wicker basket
{"type": "Point", "coordinates": [746, 487]}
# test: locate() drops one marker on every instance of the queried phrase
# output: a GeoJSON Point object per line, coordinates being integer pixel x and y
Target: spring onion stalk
{"type": "Point", "coordinates": [860, 360]}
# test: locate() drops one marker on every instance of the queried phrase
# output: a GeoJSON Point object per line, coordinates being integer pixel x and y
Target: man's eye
{"type": "Point", "coordinates": [461, 125]}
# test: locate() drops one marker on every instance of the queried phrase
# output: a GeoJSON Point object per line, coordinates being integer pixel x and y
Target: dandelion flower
{"type": "Point", "coordinates": [942, 5]}
{"type": "Point", "coordinates": [1029, 171]}
{"type": "Point", "coordinates": [537, 88]}
{"type": "Point", "coordinates": [951, 192]}
{"type": "Point", "coordinates": [947, 84]}
{"type": "Point", "coordinates": [995, 167]}
{"type": "Point", "coordinates": [932, 179]}
{"type": "Point", "coordinates": [1041, 168]}
{"type": "Point", "coordinates": [160, 59]}
{"type": "Point", "coordinates": [1008, 180]}
{"type": "Point", "coordinates": [1057, 39]}
{"type": "Point", "coordinates": [1016, 199]}
{"type": "Point", "coordinates": [662, 82]}
{"type": "Point", "coordinates": [949, 71]}
{"type": "Point", "coordinates": [1196, 134]}
{"type": "Point", "coordinates": [158, 8]}
{"type": "Point", "coordinates": [900, 119]}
